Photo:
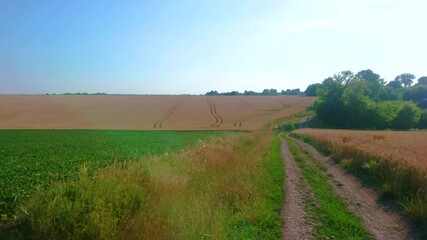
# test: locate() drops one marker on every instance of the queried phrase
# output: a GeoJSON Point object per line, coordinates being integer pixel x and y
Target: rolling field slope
{"type": "Point", "coordinates": [146, 112]}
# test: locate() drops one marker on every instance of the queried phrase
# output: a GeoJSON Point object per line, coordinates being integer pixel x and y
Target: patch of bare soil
{"type": "Point", "coordinates": [296, 224]}
{"type": "Point", "coordinates": [381, 221]}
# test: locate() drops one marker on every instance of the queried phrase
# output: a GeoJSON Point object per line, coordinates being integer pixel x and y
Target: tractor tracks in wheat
{"type": "Point", "coordinates": [213, 110]}
{"type": "Point", "coordinates": [159, 123]}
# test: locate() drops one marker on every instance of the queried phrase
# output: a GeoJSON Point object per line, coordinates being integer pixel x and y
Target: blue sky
{"type": "Point", "coordinates": [177, 47]}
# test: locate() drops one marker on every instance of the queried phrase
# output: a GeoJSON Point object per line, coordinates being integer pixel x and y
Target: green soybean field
{"type": "Point", "coordinates": [32, 159]}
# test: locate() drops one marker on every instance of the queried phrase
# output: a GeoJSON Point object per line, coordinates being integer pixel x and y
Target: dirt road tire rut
{"type": "Point", "coordinates": [296, 225]}
{"type": "Point", "coordinates": [381, 222]}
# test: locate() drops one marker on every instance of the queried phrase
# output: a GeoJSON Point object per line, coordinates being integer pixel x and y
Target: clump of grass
{"type": "Point", "coordinates": [330, 215]}
{"type": "Point", "coordinates": [416, 208]}
{"type": "Point", "coordinates": [90, 206]}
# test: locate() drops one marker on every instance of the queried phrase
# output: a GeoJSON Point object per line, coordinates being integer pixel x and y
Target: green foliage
{"type": "Point", "coordinates": [357, 104]}
{"type": "Point", "coordinates": [344, 77]}
{"type": "Point", "coordinates": [423, 119]}
{"type": "Point", "coordinates": [311, 90]}
{"type": "Point", "coordinates": [288, 126]}
{"type": "Point", "coordinates": [370, 76]}
{"type": "Point", "coordinates": [295, 121]}
{"type": "Point", "coordinates": [406, 79]}
{"type": "Point", "coordinates": [212, 93]}
{"type": "Point", "coordinates": [396, 84]}
{"type": "Point", "coordinates": [388, 93]}
{"type": "Point", "coordinates": [265, 92]}
{"type": "Point", "coordinates": [37, 158]}
{"type": "Point", "coordinates": [422, 80]}
{"type": "Point", "coordinates": [416, 94]}
{"type": "Point", "coordinates": [407, 116]}
{"type": "Point", "coordinates": [364, 101]}
{"type": "Point", "coordinates": [295, 91]}
{"type": "Point", "coordinates": [326, 107]}
{"type": "Point", "coordinates": [385, 113]}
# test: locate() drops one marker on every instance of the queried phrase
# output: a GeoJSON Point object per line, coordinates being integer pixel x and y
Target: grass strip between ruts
{"type": "Point", "coordinates": [328, 211]}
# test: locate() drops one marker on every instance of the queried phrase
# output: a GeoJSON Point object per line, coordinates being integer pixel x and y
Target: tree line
{"type": "Point", "coordinates": [265, 92]}
{"type": "Point", "coordinates": [78, 93]}
{"type": "Point", "coordinates": [366, 101]}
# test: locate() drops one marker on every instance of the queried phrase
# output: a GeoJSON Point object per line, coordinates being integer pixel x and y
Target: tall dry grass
{"type": "Point", "coordinates": [228, 188]}
{"type": "Point", "coordinates": [384, 160]}
{"type": "Point", "coordinates": [215, 191]}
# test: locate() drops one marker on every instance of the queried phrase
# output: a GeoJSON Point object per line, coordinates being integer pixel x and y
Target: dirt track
{"type": "Point", "coordinates": [382, 223]}
{"type": "Point", "coordinates": [296, 225]}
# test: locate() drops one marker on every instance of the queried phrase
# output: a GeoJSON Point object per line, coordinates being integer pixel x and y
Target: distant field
{"type": "Point", "coordinates": [31, 158]}
{"type": "Point", "coordinates": [146, 112]}
{"type": "Point", "coordinates": [409, 147]}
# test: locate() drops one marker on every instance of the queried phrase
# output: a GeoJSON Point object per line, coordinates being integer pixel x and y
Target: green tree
{"type": "Point", "coordinates": [295, 91]}
{"type": "Point", "coordinates": [250, 93]}
{"type": "Point", "coordinates": [364, 101]}
{"type": "Point", "coordinates": [357, 105]}
{"type": "Point", "coordinates": [370, 76]}
{"type": "Point", "coordinates": [396, 84]}
{"type": "Point", "coordinates": [388, 93]}
{"type": "Point", "coordinates": [376, 83]}
{"type": "Point", "coordinates": [423, 120]}
{"type": "Point", "coordinates": [422, 81]}
{"type": "Point", "coordinates": [416, 94]}
{"type": "Point", "coordinates": [212, 93]}
{"type": "Point", "coordinates": [385, 113]}
{"type": "Point", "coordinates": [268, 92]}
{"type": "Point", "coordinates": [407, 116]}
{"type": "Point", "coordinates": [406, 79]}
{"type": "Point", "coordinates": [328, 107]}
{"type": "Point", "coordinates": [344, 77]}
{"type": "Point", "coordinates": [311, 90]}
{"type": "Point", "coordinates": [273, 91]}
{"type": "Point", "coordinates": [232, 93]}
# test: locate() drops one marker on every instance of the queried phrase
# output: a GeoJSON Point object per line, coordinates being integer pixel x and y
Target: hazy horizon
{"type": "Point", "coordinates": [192, 47]}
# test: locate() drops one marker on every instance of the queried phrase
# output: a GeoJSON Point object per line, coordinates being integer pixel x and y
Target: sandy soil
{"type": "Point", "coordinates": [146, 112]}
{"type": "Point", "coordinates": [296, 225]}
{"type": "Point", "coordinates": [381, 221]}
